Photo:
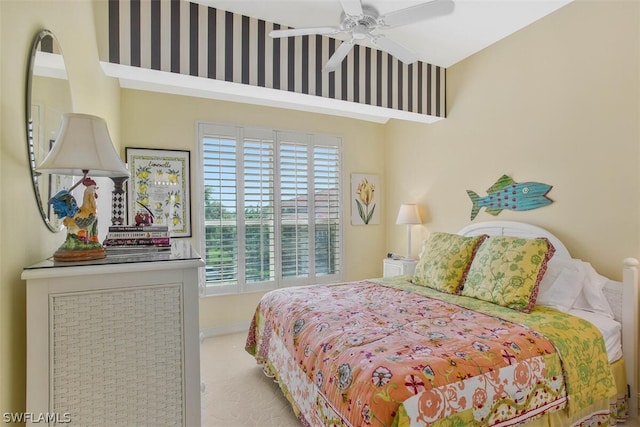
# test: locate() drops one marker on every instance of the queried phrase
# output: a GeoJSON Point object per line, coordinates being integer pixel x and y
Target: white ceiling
{"type": "Point", "coordinates": [442, 41]}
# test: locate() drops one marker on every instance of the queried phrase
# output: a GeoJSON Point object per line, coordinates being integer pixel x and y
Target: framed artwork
{"type": "Point", "coordinates": [364, 199]}
{"type": "Point", "coordinates": [159, 184]}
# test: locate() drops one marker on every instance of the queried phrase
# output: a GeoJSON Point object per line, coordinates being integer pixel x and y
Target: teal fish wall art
{"type": "Point", "coordinates": [508, 194]}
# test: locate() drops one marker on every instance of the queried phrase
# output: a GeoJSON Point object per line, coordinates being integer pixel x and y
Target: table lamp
{"type": "Point", "coordinates": [83, 145]}
{"type": "Point", "coordinates": [409, 215]}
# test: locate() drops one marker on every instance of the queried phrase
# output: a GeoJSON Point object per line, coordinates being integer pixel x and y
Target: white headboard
{"type": "Point", "coordinates": [624, 297]}
{"type": "Point", "coordinates": [515, 229]}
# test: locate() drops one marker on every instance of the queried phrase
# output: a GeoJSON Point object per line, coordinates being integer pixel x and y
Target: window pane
{"type": "Point", "coordinates": [221, 254]}
{"type": "Point", "coordinates": [220, 210]}
{"type": "Point", "coordinates": [326, 163]}
{"type": "Point", "coordinates": [295, 256]}
{"type": "Point", "coordinates": [294, 188]}
{"type": "Point", "coordinates": [258, 210]}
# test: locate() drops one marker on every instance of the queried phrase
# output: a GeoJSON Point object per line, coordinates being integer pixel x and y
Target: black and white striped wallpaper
{"type": "Point", "coordinates": [182, 37]}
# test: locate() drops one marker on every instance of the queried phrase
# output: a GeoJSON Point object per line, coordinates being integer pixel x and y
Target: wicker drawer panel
{"type": "Point", "coordinates": [117, 356]}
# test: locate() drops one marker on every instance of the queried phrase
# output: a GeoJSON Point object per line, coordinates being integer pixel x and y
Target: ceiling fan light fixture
{"type": "Point", "coordinates": [361, 21]}
{"type": "Point", "coordinates": [361, 32]}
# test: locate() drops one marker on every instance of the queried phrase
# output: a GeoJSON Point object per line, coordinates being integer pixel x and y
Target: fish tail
{"type": "Point", "coordinates": [476, 204]}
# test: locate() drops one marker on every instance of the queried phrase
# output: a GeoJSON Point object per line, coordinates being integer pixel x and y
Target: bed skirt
{"type": "Point", "coordinates": [601, 414]}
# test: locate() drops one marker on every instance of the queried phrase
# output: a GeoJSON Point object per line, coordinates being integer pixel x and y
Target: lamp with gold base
{"type": "Point", "coordinates": [83, 145]}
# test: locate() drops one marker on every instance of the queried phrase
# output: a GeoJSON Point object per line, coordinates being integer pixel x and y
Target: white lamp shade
{"type": "Point", "coordinates": [83, 143]}
{"type": "Point", "coordinates": [408, 214]}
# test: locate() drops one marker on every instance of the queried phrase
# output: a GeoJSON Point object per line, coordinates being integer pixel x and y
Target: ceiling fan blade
{"type": "Point", "coordinates": [337, 57]}
{"type": "Point", "coordinates": [352, 7]}
{"type": "Point", "coordinates": [394, 49]}
{"type": "Point", "coordinates": [417, 13]}
{"type": "Point", "coordinates": [304, 31]}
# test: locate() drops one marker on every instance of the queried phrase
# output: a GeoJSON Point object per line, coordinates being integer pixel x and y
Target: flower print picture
{"type": "Point", "coordinates": [159, 183]}
{"type": "Point", "coordinates": [366, 191]}
{"type": "Point", "coordinates": [364, 199]}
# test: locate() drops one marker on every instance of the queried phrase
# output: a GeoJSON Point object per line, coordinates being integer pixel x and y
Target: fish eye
{"type": "Point", "coordinates": [525, 190]}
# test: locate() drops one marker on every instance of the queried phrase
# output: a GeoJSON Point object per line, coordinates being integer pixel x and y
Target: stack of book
{"type": "Point", "coordinates": [137, 238]}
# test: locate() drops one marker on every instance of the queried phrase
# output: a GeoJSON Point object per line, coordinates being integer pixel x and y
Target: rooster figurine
{"type": "Point", "coordinates": [82, 242]}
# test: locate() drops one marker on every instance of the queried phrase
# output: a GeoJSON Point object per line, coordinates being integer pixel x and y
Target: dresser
{"type": "Point", "coordinates": [115, 341]}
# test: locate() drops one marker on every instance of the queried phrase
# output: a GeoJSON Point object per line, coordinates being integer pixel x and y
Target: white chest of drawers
{"type": "Point", "coordinates": [115, 341]}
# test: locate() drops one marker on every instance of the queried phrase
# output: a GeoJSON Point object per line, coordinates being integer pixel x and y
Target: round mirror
{"type": "Point", "coordinates": [48, 96]}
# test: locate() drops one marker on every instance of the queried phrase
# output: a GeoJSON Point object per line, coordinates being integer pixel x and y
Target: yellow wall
{"type": "Point", "coordinates": [168, 121]}
{"type": "Point", "coordinates": [558, 103]}
{"type": "Point", "coordinates": [24, 239]}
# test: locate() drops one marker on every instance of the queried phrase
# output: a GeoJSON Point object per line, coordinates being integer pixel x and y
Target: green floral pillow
{"type": "Point", "coordinates": [507, 271]}
{"type": "Point", "coordinates": [445, 260]}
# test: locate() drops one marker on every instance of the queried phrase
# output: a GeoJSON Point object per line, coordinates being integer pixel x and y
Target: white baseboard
{"type": "Point", "coordinates": [228, 328]}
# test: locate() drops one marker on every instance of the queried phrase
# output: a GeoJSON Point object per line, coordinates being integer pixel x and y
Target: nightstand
{"type": "Point", "coordinates": [396, 267]}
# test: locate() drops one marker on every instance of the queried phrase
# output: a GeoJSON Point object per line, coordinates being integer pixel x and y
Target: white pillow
{"type": "Point", "coordinates": [592, 298]}
{"type": "Point", "coordinates": [554, 268]}
{"type": "Point", "coordinates": [564, 290]}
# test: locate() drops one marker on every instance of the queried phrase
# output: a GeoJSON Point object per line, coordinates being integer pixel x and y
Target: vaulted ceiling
{"type": "Point", "coordinates": [220, 49]}
{"type": "Point", "coordinates": [441, 41]}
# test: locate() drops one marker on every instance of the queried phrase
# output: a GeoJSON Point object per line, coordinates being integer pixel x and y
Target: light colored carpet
{"type": "Point", "coordinates": [237, 392]}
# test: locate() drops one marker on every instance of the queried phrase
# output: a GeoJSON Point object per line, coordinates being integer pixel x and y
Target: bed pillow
{"type": "Point", "coordinates": [445, 261]}
{"type": "Point", "coordinates": [592, 296]}
{"type": "Point", "coordinates": [554, 268]}
{"type": "Point", "coordinates": [507, 271]}
{"type": "Point", "coordinates": [564, 290]}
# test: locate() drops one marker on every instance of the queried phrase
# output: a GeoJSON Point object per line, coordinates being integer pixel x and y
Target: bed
{"type": "Point", "coordinates": [476, 336]}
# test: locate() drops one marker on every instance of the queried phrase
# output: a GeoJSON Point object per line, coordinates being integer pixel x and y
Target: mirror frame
{"type": "Point", "coordinates": [31, 150]}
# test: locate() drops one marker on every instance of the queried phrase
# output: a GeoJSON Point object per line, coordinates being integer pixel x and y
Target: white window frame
{"type": "Point", "coordinates": [311, 139]}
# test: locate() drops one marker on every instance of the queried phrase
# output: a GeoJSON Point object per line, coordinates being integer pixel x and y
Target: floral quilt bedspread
{"type": "Point", "coordinates": [364, 353]}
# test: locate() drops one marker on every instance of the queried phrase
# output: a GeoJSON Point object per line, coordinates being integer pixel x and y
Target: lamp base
{"type": "Point", "coordinates": [79, 254]}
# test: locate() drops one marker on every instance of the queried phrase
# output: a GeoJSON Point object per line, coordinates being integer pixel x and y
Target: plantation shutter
{"type": "Point", "coordinates": [259, 210]}
{"type": "Point", "coordinates": [326, 160]}
{"type": "Point", "coordinates": [220, 160]}
{"type": "Point", "coordinates": [294, 206]}
{"type": "Point", "coordinates": [272, 208]}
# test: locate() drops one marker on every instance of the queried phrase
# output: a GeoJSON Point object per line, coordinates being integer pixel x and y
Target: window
{"type": "Point", "coordinates": [270, 208]}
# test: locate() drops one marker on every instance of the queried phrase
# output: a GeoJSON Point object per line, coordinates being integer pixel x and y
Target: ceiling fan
{"type": "Point", "coordinates": [362, 21]}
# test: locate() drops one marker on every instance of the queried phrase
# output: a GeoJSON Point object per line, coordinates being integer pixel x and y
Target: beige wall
{"type": "Point", "coordinates": [24, 239]}
{"type": "Point", "coordinates": [558, 103]}
{"type": "Point", "coordinates": [168, 121]}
